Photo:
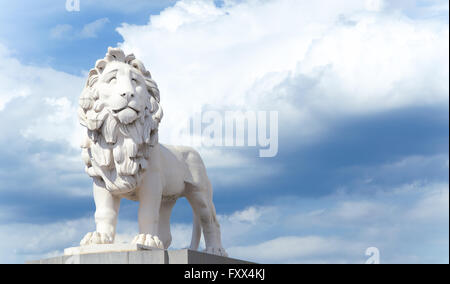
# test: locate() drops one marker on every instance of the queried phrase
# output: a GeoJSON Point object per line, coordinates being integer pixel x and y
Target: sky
{"type": "Point", "coordinates": [362, 94]}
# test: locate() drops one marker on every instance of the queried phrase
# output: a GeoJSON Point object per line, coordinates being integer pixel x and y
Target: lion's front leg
{"type": "Point", "coordinates": [148, 215]}
{"type": "Point", "coordinates": [107, 210]}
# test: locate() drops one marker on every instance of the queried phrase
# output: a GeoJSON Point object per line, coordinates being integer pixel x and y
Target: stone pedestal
{"type": "Point", "coordinates": [134, 254]}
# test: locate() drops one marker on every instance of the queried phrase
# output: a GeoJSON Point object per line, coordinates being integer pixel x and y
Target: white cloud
{"type": "Point", "coordinates": [38, 104]}
{"type": "Point", "coordinates": [47, 109]}
{"type": "Point", "coordinates": [61, 31]}
{"type": "Point", "coordinates": [250, 215]}
{"type": "Point", "coordinates": [314, 65]}
{"type": "Point", "coordinates": [184, 13]}
{"type": "Point", "coordinates": [293, 249]}
{"type": "Point", "coordinates": [351, 210]}
{"type": "Point", "coordinates": [433, 206]}
{"type": "Point", "coordinates": [374, 5]}
{"type": "Point", "coordinates": [420, 9]}
{"type": "Point", "coordinates": [21, 242]}
{"type": "Point", "coordinates": [311, 63]}
{"type": "Point", "coordinates": [386, 204]}
{"type": "Point", "coordinates": [344, 226]}
{"type": "Point", "coordinates": [91, 30]}
{"type": "Point", "coordinates": [59, 124]}
{"type": "Point", "coordinates": [9, 90]}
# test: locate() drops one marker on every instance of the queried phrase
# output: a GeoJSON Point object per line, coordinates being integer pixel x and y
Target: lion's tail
{"type": "Point", "coordinates": [196, 233]}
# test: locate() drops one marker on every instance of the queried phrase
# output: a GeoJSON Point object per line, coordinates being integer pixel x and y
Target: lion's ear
{"type": "Point", "coordinates": [140, 66]}
{"type": "Point", "coordinates": [130, 58]}
{"type": "Point", "coordinates": [100, 65]}
{"type": "Point", "coordinates": [115, 54]}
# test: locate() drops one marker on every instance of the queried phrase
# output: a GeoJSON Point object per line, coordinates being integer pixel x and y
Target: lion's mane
{"type": "Point", "coordinates": [116, 154]}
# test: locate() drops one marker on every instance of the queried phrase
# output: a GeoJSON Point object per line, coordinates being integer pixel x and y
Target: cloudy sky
{"type": "Point", "coordinates": [362, 92]}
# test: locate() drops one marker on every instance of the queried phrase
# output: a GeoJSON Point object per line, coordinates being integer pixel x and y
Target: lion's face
{"type": "Point", "coordinates": [120, 109]}
{"type": "Point", "coordinates": [123, 90]}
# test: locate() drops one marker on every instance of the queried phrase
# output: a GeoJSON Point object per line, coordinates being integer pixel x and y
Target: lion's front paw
{"type": "Point", "coordinates": [217, 251]}
{"type": "Point", "coordinates": [94, 238]}
{"type": "Point", "coordinates": [148, 240]}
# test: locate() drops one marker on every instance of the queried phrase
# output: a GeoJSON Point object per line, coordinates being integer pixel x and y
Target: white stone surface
{"type": "Point", "coordinates": [120, 107]}
{"type": "Point", "coordinates": [102, 248]}
{"type": "Point", "coordinates": [184, 256]}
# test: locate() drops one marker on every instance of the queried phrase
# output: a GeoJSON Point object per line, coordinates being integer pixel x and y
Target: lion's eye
{"type": "Point", "coordinates": [112, 80]}
{"type": "Point", "coordinates": [135, 81]}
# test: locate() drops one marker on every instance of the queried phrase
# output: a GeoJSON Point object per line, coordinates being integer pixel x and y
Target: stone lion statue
{"type": "Point", "coordinates": [120, 107]}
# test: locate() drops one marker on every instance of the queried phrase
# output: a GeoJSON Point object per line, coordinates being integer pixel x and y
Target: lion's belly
{"type": "Point", "coordinates": [175, 166]}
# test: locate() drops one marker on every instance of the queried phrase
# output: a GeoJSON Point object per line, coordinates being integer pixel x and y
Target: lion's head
{"type": "Point", "coordinates": [120, 108]}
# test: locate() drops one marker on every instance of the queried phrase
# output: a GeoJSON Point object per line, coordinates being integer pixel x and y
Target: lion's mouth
{"type": "Point", "coordinates": [124, 108]}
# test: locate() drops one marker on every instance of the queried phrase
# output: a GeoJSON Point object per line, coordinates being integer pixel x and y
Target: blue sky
{"type": "Point", "coordinates": [48, 22]}
{"type": "Point", "coordinates": [361, 88]}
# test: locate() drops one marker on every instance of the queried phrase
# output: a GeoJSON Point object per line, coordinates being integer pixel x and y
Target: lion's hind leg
{"type": "Point", "coordinates": [200, 199]}
{"type": "Point", "coordinates": [198, 192]}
